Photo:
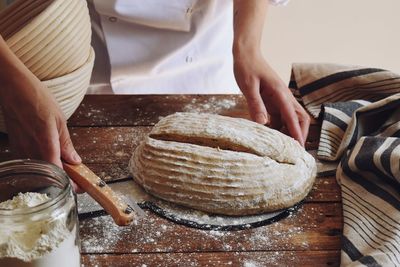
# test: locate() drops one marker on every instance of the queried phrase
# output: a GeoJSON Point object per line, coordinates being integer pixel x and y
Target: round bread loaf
{"type": "Point", "coordinates": [222, 165]}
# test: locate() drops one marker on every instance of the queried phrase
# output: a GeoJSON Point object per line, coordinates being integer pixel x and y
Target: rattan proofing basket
{"type": "Point", "coordinates": [68, 90]}
{"type": "Point", "coordinates": [51, 37]}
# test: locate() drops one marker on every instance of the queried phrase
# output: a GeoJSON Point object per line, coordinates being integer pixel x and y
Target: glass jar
{"type": "Point", "coordinates": [44, 235]}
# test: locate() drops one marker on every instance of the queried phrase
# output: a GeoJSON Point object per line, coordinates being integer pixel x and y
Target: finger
{"type": "Point", "coordinates": [285, 130]}
{"type": "Point", "coordinates": [305, 125]}
{"type": "Point", "coordinates": [257, 109]}
{"type": "Point", "coordinates": [50, 147]}
{"type": "Point", "coordinates": [291, 120]}
{"type": "Point", "coordinates": [275, 122]}
{"type": "Point", "coordinates": [54, 157]}
{"type": "Point", "coordinates": [304, 120]}
{"type": "Point", "coordinates": [68, 152]}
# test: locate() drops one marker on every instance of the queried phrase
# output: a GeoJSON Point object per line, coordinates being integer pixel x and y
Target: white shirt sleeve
{"type": "Point", "coordinates": [279, 2]}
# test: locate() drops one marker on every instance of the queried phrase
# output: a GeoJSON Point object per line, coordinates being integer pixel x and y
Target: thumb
{"type": "Point", "coordinates": [257, 109]}
{"type": "Point", "coordinates": [68, 152]}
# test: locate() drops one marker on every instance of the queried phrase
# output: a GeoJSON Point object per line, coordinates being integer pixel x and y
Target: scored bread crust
{"type": "Point", "coordinates": [222, 165]}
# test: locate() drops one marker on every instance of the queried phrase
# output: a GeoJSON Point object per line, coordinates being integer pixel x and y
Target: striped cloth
{"type": "Point", "coordinates": [360, 113]}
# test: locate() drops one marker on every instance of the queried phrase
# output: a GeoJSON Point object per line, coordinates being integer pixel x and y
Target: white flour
{"type": "Point", "coordinates": [27, 200]}
{"type": "Point", "coordinates": [213, 105]}
{"type": "Point", "coordinates": [37, 242]}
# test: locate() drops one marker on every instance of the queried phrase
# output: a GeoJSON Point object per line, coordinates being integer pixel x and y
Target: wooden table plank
{"type": "Point", "coordinates": [231, 259]}
{"type": "Point", "coordinates": [107, 145]}
{"type": "Point", "coordinates": [312, 227]}
{"type": "Point", "coordinates": [145, 110]}
{"type": "Point", "coordinates": [98, 145]}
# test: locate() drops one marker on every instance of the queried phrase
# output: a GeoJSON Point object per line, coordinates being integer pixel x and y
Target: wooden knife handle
{"type": "Point", "coordinates": [101, 192]}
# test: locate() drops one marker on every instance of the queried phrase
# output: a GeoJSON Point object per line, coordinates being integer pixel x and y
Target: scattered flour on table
{"type": "Point", "coordinates": [36, 238]}
{"type": "Point", "coordinates": [250, 264]}
{"type": "Point", "coordinates": [213, 105]}
{"type": "Point", "coordinates": [101, 235]}
{"type": "Point", "coordinates": [109, 144]}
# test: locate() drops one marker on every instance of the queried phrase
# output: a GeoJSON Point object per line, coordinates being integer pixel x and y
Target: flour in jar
{"type": "Point", "coordinates": [37, 242]}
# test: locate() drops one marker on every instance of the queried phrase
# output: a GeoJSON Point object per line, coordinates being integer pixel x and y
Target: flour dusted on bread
{"type": "Point", "coordinates": [222, 165]}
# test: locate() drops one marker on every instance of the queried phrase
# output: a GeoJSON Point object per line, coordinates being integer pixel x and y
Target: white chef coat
{"type": "Point", "coordinates": [163, 46]}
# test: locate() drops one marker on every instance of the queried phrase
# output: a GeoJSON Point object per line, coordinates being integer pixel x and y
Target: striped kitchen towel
{"type": "Point", "coordinates": [360, 113]}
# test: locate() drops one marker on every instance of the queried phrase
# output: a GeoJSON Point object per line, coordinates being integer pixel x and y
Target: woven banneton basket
{"type": "Point", "coordinates": [68, 90]}
{"type": "Point", "coordinates": [51, 37]}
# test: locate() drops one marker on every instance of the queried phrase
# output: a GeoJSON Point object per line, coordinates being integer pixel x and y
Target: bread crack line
{"type": "Point", "coordinates": [211, 143]}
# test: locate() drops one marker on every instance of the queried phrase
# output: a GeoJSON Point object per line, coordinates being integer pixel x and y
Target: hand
{"type": "Point", "coordinates": [269, 100]}
{"type": "Point", "coordinates": [36, 126]}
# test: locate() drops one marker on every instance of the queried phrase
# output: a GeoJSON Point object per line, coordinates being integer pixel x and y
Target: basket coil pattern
{"type": "Point", "coordinates": [52, 38]}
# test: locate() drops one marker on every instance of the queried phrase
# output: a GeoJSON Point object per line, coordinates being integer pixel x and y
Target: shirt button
{"type": "Point", "coordinates": [112, 19]}
{"type": "Point", "coordinates": [189, 59]}
{"type": "Point", "coordinates": [189, 10]}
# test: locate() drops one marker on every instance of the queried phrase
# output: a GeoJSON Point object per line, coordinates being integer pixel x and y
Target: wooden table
{"type": "Point", "coordinates": [106, 129]}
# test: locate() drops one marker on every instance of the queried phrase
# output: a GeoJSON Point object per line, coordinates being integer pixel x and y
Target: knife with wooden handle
{"type": "Point", "coordinates": [113, 204]}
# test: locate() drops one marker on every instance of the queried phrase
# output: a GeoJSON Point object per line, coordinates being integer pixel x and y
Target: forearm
{"type": "Point", "coordinates": [248, 22]}
{"type": "Point", "coordinates": [14, 75]}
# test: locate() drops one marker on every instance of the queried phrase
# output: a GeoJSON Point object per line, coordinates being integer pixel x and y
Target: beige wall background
{"type": "Point", "coordinates": [357, 32]}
